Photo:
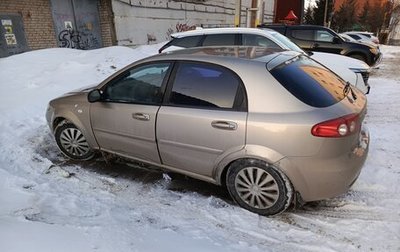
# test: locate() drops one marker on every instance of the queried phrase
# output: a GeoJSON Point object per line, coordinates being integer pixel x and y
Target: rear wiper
{"type": "Point", "coordinates": [348, 88]}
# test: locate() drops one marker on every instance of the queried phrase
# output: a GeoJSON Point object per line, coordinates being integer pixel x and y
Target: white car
{"type": "Point", "coordinates": [363, 36]}
{"type": "Point", "coordinates": [352, 70]}
{"type": "Point", "coordinates": [362, 40]}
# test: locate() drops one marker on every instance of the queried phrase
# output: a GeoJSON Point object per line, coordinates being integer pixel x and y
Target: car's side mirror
{"type": "Point", "coordinates": [94, 96]}
{"type": "Point", "coordinates": [336, 40]}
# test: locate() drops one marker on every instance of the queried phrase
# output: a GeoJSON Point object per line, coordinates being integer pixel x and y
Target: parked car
{"type": "Point", "coordinates": [265, 123]}
{"type": "Point", "coordinates": [322, 39]}
{"type": "Point", "coordinates": [363, 36]}
{"type": "Point", "coordinates": [342, 65]}
{"type": "Point", "coordinates": [346, 37]}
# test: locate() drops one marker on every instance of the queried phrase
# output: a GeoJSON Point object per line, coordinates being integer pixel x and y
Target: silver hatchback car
{"type": "Point", "coordinates": [272, 126]}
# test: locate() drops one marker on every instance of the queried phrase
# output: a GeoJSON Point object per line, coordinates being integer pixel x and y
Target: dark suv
{"type": "Point", "coordinates": [322, 39]}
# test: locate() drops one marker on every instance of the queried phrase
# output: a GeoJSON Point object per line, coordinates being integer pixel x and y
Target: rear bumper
{"type": "Point", "coordinates": [323, 177]}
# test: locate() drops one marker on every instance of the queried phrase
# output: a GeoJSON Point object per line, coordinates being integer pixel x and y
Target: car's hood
{"type": "Point", "coordinates": [84, 89]}
{"type": "Point", "coordinates": [335, 60]}
{"type": "Point", "coordinates": [368, 43]}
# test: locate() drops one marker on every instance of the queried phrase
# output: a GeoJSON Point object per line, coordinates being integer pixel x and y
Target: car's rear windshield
{"type": "Point", "coordinates": [310, 82]}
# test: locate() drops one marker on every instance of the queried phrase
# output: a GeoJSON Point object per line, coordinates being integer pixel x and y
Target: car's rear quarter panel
{"type": "Point", "coordinates": [318, 167]}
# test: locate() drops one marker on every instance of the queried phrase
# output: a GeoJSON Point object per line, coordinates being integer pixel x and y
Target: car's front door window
{"type": "Point", "coordinates": [140, 85]}
{"type": "Point", "coordinates": [323, 36]}
{"type": "Point", "coordinates": [257, 40]}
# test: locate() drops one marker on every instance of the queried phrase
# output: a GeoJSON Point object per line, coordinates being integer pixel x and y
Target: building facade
{"type": "Point", "coordinates": [282, 9]}
{"type": "Point", "coordinates": [142, 22]}
{"type": "Point", "coordinates": [36, 24]}
{"type": "Point", "coordinates": [89, 24]}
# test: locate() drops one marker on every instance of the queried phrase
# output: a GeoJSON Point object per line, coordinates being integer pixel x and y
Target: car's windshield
{"type": "Point", "coordinates": [284, 40]}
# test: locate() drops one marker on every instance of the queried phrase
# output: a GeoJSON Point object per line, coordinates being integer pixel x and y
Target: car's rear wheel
{"type": "Point", "coordinates": [72, 142]}
{"type": "Point", "coordinates": [259, 187]}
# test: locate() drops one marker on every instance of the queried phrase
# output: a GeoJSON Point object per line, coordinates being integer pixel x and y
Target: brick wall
{"type": "Point", "coordinates": [37, 19]}
{"type": "Point", "coordinates": [107, 23]}
{"type": "Point", "coordinates": [39, 25]}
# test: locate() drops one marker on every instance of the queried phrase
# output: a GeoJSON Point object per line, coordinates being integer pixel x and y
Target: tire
{"type": "Point", "coordinates": [359, 57]}
{"type": "Point", "coordinates": [72, 143]}
{"type": "Point", "coordinates": [259, 187]}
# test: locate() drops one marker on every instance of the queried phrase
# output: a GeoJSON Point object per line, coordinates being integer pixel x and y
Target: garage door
{"type": "Point", "coordinates": [12, 36]}
{"type": "Point", "coordinates": [77, 23]}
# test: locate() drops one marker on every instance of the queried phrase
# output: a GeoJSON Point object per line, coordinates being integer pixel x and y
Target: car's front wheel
{"type": "Point", "coordinates": [259, 187]}
{"type": "Point", "coordinates": [72, 142]}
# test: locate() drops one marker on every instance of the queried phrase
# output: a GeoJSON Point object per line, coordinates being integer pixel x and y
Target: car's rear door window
{"type": "Point", "coordinates": [354, 36]}
{"type": "Point", "coordinates": [303, 34]}
{"type": "Point", "coordinates": [310, 82]}
{"type": "Point", "coordinates": [258, 40]}
{"type": "Point", "coordinates": [204, 85]}
{"type": "Point", "coordinates": [219, 40]}
{"type": "Point", "coordinates": [186, 42]}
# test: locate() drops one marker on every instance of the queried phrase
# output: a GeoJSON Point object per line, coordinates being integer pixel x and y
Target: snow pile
{"type": "Point", "coordinates": [48, 203]}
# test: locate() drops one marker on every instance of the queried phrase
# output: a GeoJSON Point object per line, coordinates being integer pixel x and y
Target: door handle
{"type": "Point", "coordinates": [315, 45]}
{"type": "Point", "coordinates": [226, 125]}
{"type": "Point", "coordinates": [141, 116]}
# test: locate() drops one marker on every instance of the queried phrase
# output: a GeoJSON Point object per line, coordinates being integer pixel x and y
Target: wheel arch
{"type": "Point", "coordinates": [248, 152]}
{"type": "Point", "coordinates": [284, 194]}
{"type": "Point", "coordinates": [84, 128]}
{"type": "Point", "coordinates": [57, 121]}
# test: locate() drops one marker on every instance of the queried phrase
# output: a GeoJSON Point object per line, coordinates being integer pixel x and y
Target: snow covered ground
{"type": "Point", "coordinates": [48, 203]}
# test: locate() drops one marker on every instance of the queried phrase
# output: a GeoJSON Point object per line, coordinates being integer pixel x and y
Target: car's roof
{"type": "Point", "coordinates": [224, 30]}
{"type": "Point", "coordinates": [297, 26]}
{"type": "Point", "coordinates": [360, 35]}
{"type": "Point", "coordinates": [228, 55]}
{"type": "Point", "coordinates": [361, 32]}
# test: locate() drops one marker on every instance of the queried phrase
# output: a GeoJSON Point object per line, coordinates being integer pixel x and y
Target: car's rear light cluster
{"type": "Point", "coordinates": [339, 127]}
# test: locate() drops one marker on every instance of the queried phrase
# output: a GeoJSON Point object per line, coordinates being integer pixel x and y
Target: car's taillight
{"type": "Point", "coordinates": [339, 127]}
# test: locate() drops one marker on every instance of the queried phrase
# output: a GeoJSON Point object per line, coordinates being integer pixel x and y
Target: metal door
{"type": "Point", "coordinates": [126, 129]}
{"type": "Point", "coordinates": [204, 118]}
{"type": "Point", "coordinates": [124, 120]}
{"type": "Point", "coordinates": [194, 139]}
{"type": "Point", "coordinates": [328, 46]}
{"type": "Point", "coordinates": [77, 23]}
{"type": "Point", "coordinates": [12, 35]}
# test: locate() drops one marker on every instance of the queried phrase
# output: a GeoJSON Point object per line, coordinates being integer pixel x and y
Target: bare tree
{"type": "Point", "coordinates": [394, 23]}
